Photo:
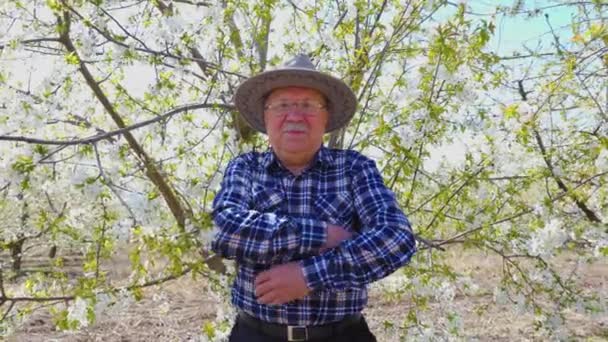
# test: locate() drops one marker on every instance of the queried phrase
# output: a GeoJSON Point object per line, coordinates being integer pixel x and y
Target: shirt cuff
{"type": "Point", "coordinates": [313, 234]}
{"type": "Point", "coordinates": [316, 273]}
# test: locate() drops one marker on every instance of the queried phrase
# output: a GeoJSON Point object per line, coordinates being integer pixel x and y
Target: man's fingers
{"type": "Point", "coordinates": [262, 278]}
{"type": "Point", "coordinates": [262, 289]}
{"type": "Point", "coordinates": [268, 298]}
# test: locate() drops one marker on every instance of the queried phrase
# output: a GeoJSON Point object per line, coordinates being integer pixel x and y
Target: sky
{"type": "Point", "coordinates": [512, 32]}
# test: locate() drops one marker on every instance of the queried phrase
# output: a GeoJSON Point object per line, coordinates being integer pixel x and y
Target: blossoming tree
{"type": "Point", "coordinates": [116, 123]}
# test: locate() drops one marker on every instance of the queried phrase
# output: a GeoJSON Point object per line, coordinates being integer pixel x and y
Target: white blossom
{"type": "Point", "coordinates": [123, 229]}
{"type": "Point", "coordinates": [103, 302]}
{"type": "Point", "coordinates": [426, 333]}
{"type": "Point", "coordinates": [557, 171]}
{"type": "Point", "coordinates": [445, 293]}
{"type": "Point", "coordinates": [526, 112]}
{"type": "Point", "coordinates": [545, 240]}
{"type": "Point", "coordinates": [512, 124]}
{"type": "Point", "coordinates": [444, 74]}
{"type": "Point", "coordinates": [542, 276]}
{"type": "Point", "coordinates": [521, 304]}
{"type": "Point", "coordinates": [539, 209]}
{"type": "Point", "coordinates": [599, 246]}
{"type": "Point", "coordinates": [207, 235]}
{"type": "Point", "coordinates": [78, 312]}
{"type": "Point", "coordinates": [602, 161]}
{"type": "Point", "coordinates": [150, 230]}
{"type": "Point", "coordinates": [393, 283]}
{"type": "Point", "coordinates": [86, 38]}
{"type": "Point", "coordinates": [467, 95]}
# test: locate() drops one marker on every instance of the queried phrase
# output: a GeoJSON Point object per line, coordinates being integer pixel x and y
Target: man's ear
{"type": "Point", "coordinates": [327, 118]}
{"type": "Point", "coordinates": [327, 107]}
{"type": "Point", "coordinates": [264, 99]}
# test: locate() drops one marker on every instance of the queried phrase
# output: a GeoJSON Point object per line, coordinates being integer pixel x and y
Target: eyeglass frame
{"type": "Point", "coordinates": [318, 105]}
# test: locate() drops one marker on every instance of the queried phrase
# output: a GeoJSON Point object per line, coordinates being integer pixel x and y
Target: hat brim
{"type": "Point", "coordinates": [249, 97]}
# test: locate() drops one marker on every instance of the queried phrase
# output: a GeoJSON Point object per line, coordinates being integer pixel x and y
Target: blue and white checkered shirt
{"type": "Point", "coordinates": [267, 216]}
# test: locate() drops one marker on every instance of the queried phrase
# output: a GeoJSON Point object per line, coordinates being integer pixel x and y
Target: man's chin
{"type": "Point", "coordinates": [296, 147]}
{"type": "Point", "coordinates": [295, 138]}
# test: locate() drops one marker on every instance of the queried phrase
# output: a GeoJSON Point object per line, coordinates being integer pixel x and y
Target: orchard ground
{"type": "Point", "coordinates": [178, 310]}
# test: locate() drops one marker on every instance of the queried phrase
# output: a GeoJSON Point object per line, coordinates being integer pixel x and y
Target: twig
{"type": "Point", "coordinates": [111, 185]}
{"type": "Point", "coordinates": [195, 3]}
{"type": "Point", "coordinates": [456, 192]}
{"type": "Point", "coordinates": [101, 240]}
{"type": "Point", "coordinates": [591, 216]}
{"type": "Point", "coordinates": [36, 40]}
{"type": "Point", "coordinates": [428, 243]}
{"type": "Point", "coordinates": [10, 307]}
{"type": "Point", "coordinates": [108, 36]}
{"type": "Point", "coordinates": [2, 293]}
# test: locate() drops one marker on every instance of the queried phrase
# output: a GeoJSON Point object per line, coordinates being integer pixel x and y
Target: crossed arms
{"type": "Point", "coordinates": [329, 256]}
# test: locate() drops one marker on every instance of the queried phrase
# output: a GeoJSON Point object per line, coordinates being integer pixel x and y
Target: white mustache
{"type": "Point", "coordinates": [294, 126]}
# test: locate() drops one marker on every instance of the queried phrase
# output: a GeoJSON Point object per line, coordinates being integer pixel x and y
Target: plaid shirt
{"type": "Point", "coordinates": [268, 216]}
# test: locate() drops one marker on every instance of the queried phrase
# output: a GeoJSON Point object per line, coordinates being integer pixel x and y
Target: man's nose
{"type": "Point", "coordinates": [295, 114]}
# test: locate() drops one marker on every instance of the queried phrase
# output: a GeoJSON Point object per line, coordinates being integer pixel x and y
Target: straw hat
{"type": "Point", "coordinates": [297, 72]}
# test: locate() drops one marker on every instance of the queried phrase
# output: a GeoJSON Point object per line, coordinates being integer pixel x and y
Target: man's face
{"type": "Point", "coordinates": [295, 120]}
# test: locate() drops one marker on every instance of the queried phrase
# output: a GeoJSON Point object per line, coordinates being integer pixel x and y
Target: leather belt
{"type": "Point", "coordinates": [296, 332]}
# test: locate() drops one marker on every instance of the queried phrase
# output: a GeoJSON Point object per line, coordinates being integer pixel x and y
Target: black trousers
{"type": "Point", "coordinates": [359, 332]}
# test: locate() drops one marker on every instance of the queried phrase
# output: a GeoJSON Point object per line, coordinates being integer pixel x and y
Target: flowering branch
{"type": "Point", "coordinates": [591, 216]}
{"type": "Point", "coordinates": [13, 300]}
{"type": "Point", "coordinates": [197, 59]}
{"type": "Point", "coordinates": [152, 171]}
{"type": "Point", "coordinates": [35, 40]}
{"type": "Point", "coordinates": [122, 131]}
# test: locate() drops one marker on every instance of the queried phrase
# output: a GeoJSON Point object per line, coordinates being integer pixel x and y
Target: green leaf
{"type": "Point", "coordinates": [138, 293]}
{"type": "Point", "coordinates": [511, 111]}
{"type": "Point", "coordinates": [209, 330]}
{"type": "Point", "coordinates": [24, 164]}
{"type": "Point", "coordinates": [41, 149]}
{"type": "Point", "coordinates": [72, 58]}
{"type": "Point", "coordinates": [54, 5]}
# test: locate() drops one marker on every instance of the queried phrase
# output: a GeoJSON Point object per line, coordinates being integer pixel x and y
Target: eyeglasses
{"type": "Point", "coordinates": [283, 107]}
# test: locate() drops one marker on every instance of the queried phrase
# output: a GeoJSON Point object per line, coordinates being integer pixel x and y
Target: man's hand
{"type": "Point", "coordinates": [284, 283]}
{"type": "Point", "coordinates": [281, 284]}
{"type": "Point", "coordinates": [335, 236]}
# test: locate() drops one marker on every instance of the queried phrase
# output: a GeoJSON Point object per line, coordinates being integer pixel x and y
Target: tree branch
{"type": "Point", "coordinates": [121, 131]}
{"type": "Point", "coordinates": [108, 36]}
{"type": "Point", "coordinates": [591, 216]}
{"type": "Point", "coordinates": [35, 40]}
{"type": "Point", "coordinates": [151, 170]}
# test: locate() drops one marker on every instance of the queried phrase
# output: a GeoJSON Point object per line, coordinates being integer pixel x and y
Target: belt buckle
{"type": "Point", "coordinates": [297, 333]}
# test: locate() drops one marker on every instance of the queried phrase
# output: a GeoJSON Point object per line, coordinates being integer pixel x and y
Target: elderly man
{"type": "Point", "coordinates": [308, 226]}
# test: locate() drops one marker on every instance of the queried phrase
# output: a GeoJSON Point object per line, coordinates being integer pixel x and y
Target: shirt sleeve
{"type": "Point", "coordinates": [386, 241]}
{"type": "Point", "coordinates": [251, 236]}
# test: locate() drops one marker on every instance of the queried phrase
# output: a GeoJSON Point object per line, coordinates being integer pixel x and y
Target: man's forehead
{"type": "Point", "coordinates": [295, 91]}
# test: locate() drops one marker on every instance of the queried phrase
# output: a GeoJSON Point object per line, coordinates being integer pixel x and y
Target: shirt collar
{"type": "Point", "coordinates": [323, 158]}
